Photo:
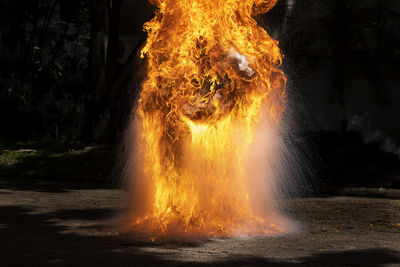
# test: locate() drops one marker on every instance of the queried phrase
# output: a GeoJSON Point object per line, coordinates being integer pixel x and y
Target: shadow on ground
{"type": "Point", "coordinates": [29, 239]}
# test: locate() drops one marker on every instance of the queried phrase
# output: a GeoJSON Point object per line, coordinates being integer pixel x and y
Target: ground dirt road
{"type": "Point", "coordinates": [67, 224]}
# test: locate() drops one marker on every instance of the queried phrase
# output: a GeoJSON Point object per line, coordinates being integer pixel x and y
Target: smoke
{"type": "Point", "coordinates": [242, 62]}
{"type": "Point", "coordinates": [387, 143]}
{"type": "Point", "coordinates": [274, 173]}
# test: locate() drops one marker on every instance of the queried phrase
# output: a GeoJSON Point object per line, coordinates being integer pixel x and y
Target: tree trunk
{"type": "Point", "coordinates": [99, 40]}
{"type": "Point", "coordinates": [113, 96]}
{"type": "Point", "coordinates": [104, 58]}
{"type": "Point", "coordinates": [290, 8]}
{"type": "Point", "coordinates": [114, 12]}
{"type": "Point", "coordinates": [339, 85]}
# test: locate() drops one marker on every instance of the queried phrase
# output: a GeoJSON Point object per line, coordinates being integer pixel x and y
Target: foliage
{"type": "Point", "coordinates": [45, 56]}
{"type": "Point", "coordinates": [353, 32]}
{"type": "Point", "coordinates": [59, 79]}
{"type": "Point", "coordinates": [55, 160]}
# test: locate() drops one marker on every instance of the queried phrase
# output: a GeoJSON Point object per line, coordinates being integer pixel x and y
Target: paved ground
{"type": "Point", "coordinates": [61, 223]}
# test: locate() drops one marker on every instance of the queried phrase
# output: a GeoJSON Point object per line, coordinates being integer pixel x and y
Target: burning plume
{"type": "Point", "coordinates": [207, 122]}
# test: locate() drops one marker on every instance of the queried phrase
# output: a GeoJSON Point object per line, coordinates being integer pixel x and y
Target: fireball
{"type": "Point", "coordinates": [212, 75]}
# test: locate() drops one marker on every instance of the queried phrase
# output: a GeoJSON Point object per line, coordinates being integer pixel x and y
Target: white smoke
{"type": "Point", "coordinates": [370, 135]}
{"type": "Point", "coordinates": [243, 63]}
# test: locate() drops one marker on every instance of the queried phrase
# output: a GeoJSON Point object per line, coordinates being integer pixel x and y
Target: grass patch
{"type": "Point", "coordinates": [9, 158]}
{"type": "Point", "coordinates": [59, 161]}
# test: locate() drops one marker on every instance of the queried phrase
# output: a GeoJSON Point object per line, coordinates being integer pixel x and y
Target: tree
{"type": "Point", "coordinates": [344, 30]}
{"type": "Point", "coordinates": [44, 51]}
{"type": "Point", "coordinates": [105, 54]}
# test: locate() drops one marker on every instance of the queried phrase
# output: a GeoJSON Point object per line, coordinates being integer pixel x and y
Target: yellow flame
{"type": "Point", "coordinates": [210, 72]}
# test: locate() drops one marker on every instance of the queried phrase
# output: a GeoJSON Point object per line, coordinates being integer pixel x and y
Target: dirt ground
{"type": "Point", "coordinates": [70, 224]}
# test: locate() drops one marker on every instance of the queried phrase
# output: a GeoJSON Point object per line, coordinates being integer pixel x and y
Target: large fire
{"type": "Point", "coordinates": [212, 76]}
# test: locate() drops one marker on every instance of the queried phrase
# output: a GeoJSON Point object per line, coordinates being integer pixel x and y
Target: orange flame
{"type": "Point", "coordinates": [211, 71]}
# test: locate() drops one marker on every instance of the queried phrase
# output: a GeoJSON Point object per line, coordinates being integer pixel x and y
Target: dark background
{"type": "Point", "coordinates": [69, 72]}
